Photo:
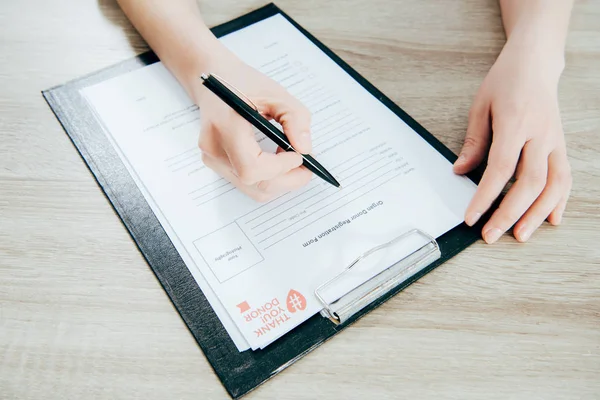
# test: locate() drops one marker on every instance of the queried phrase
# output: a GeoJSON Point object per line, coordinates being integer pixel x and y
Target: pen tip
{"type": "Point", "coordinates": [204, 77]}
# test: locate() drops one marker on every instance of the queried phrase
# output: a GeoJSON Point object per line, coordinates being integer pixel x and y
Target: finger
{"type": "Point", "coordinates": [555, 217]}
{"type": "Point", "coordinates": [209, 143]}
{"type": "Point", "coordinates": [477, 139]}
{"type": "Point", "coordinates": [223, 168]}
{"type": "Point", "coordinates": [504, 155]}
{"type": "Point", "coordinates": [526, 189]}
{"type": "Point", "coordinates": [250, 164]}
{"type": "Point", "coordinates": [537, 213]}
{"type": "Point", "coordinates": [553, 198]}
{"type": "Point", "coordinates": [271, 166]}
{"type": "Point", "coordinates": [562, 176]}
{"type": "Point", "coordinates": [237, 139]}
{"type": "Point", "coordinates": [264, 190]}
{"type": "Point", "coordinates": [289, 181]}
{"type": "Point", "coordinates": [294, 118]}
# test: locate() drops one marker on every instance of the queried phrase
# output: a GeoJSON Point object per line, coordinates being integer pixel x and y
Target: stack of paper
{"type": "Point", "coordinates": [239, 250]}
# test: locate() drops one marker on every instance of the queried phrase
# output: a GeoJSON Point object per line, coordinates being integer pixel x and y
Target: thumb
{"type": "Point", "coordinates": [294, 118]}
{"type": "Point", "coordinates": [477, 140]}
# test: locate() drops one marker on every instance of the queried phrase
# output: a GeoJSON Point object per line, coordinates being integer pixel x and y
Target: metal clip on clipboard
{"type": "Point", "coordinates": [344, 306]}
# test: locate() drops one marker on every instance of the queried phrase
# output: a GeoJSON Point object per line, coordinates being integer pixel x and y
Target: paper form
{"type": "Point", "coordinates": [259, 264]}
{"type": "Point", "coordinates": [236, 336]}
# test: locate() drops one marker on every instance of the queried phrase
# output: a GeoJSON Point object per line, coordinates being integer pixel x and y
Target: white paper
{"type": "Point", "coordinates": [234, 333]}
{"type": "Point", "coordinates": [259, 264]}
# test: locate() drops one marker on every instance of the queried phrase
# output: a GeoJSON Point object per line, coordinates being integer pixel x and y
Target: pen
{"type": "Point", "coordinates": [251, 114]}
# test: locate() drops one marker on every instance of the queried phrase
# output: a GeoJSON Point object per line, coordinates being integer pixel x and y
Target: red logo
{"type": "Point", "coordinates": [243, 307]}
{"type": "Point", "coordinates": [295, 301]}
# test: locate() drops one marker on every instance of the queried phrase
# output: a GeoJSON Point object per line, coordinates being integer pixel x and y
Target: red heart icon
{"type": "Point", "coordinates": [295, 301]}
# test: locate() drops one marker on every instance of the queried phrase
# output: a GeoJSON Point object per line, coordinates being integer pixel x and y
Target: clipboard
{"type": "Point", "coordinates": [240, 372]}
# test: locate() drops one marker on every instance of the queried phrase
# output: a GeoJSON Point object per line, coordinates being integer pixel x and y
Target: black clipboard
{"type": "Point", "coordinates": [240, 372]}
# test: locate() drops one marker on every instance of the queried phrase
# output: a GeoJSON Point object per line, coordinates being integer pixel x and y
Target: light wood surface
{"type": "Point", "coordinates": [82, 315]}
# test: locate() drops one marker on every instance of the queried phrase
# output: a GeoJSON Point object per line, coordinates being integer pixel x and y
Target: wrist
{"type": "Point", "coordinates": [213, 57]}
{"type": "Point", "coordinates": [537, 49]}
{"type": "Point", "coordinates": [540, 41]}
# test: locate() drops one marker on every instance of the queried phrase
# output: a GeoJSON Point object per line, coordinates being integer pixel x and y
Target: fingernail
{"type": "Point", "coordinates": [491, 235]}
{"type": "Point", "coordinates": [524, 233]}
{"type": "Point", "coordinates": [461, 160]}
{"type": "Point", "coordinates": [305, 142]}
{"type": "Point", "coordinates": [472, 218]}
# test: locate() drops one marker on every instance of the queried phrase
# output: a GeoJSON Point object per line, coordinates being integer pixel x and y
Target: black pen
{"type": "Point", "coordinates": [251, 114]}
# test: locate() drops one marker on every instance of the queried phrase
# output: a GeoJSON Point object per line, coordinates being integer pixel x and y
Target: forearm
{"type": "Point", "coordinates": [538, 26]}
{"type": "Point", "coordinates": [177, 34]}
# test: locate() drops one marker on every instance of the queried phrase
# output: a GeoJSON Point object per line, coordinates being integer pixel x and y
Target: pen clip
{"type": "Point", "coordinates": [231, 87]}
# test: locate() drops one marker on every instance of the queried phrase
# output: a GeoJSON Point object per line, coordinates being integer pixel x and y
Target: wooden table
{"type": "Point", "coordinates": [82, 315]}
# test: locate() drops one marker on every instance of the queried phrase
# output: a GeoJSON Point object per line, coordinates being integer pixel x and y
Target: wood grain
{"type": "Point", "coordinates": [82, 315]}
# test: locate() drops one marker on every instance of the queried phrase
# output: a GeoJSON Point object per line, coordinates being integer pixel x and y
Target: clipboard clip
{"type": "Point", "coordinates": [343, 306]}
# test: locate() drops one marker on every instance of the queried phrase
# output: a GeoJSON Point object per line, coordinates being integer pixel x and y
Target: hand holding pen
{"type": "Point", "coordinates": [227, 140]}
{"type": "Point", "coordinates": [248, 110]}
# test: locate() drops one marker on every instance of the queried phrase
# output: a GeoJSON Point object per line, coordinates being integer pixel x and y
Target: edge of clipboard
{"type": "Point", "coordinates": [239, 372]}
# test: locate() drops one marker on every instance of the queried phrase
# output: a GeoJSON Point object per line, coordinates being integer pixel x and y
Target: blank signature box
{"type": "Point", "coordinates": [228, 252]}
